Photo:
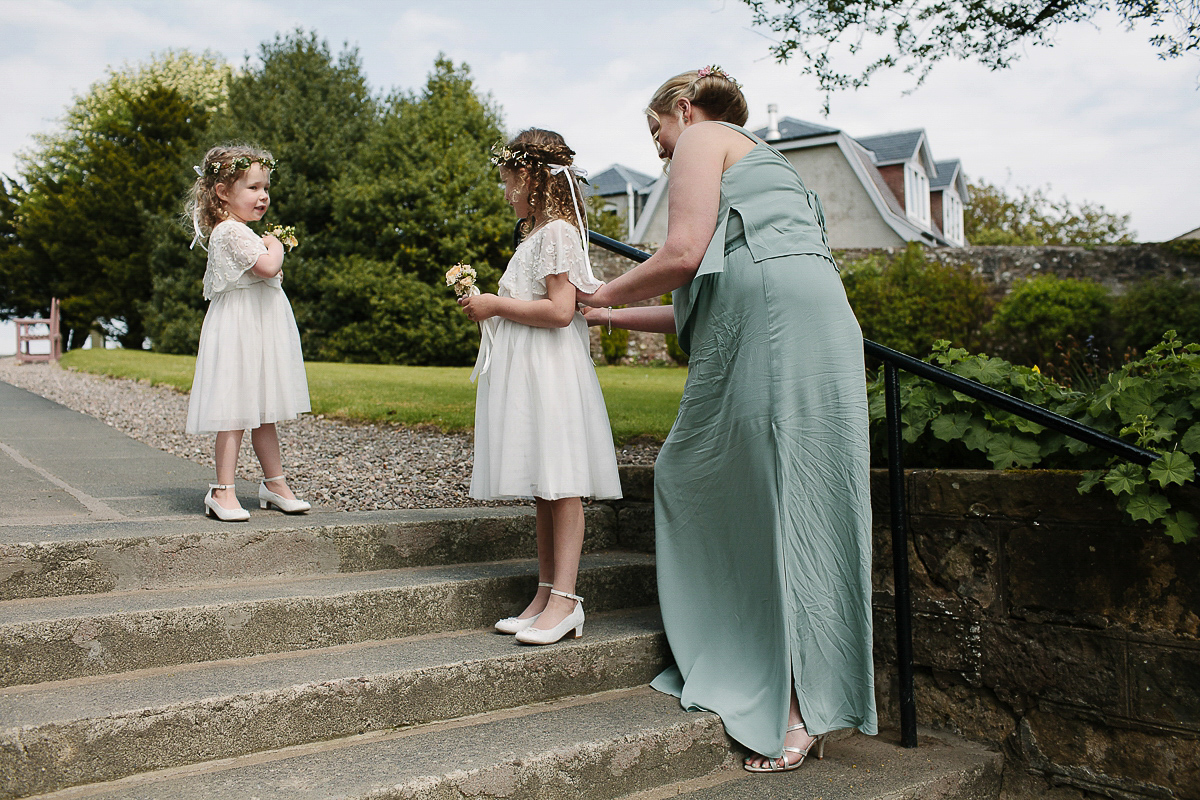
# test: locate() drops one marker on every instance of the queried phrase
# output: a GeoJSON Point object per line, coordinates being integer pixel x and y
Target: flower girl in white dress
{"type": "Point", "coordinates": [541, 427]}
{"type": "Point", "coordinates": [249, 368]}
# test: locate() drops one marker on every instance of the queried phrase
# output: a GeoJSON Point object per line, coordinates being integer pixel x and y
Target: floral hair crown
{"type": "Point", "coordinates": [236, 165]}
{"type": "Point", "coordinates": [502, 156]}
{"type": "Point", "coordinates": [713, 70]}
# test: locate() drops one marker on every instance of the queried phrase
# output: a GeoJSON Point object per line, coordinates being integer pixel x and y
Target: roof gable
{"type": "Point", "coordinates": [945, 175]}
{"type": "Point", "coordinates": [893, 148]}
{"type": "Point", "coordinates": [617, 178]}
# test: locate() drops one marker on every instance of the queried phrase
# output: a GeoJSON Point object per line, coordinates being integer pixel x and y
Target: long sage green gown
{"type": "Point", "coordinates": [762, 500]}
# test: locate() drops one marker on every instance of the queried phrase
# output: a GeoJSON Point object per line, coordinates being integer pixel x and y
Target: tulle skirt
{"type": "Point", "coordinates": [541, 426]}
{"type": "Point", "coordinates": [249, 368]}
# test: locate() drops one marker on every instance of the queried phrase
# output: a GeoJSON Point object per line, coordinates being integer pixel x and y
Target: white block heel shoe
{"type": "Point", "coordinates": [214, 509]}
{"type": "Point", "coordinates": [288, 505]}
{"type": "Point", "coordinates": [516, 624]}
{"type": "Point", "coordinates": [572, 624]}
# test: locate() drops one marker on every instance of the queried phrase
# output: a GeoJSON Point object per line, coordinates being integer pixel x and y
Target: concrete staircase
{"type": "Point", "coordinates": [146, 652]}
{"type": "Point", "coordinates": [350, 656]}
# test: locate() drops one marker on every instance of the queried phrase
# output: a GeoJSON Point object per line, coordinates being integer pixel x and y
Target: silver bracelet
{"type": "Point", "coordinates": [609, 318]}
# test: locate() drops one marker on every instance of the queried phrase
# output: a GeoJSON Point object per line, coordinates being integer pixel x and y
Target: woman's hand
{"type": "Point", "coordinates": [479, 307]}
{"type": "Point", "coordinates": [593, 299]}
{"type": "Point", "coordinates": [596, 316]}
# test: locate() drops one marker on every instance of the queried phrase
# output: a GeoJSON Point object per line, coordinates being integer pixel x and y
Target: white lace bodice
{"type": "Point", "coordinates": [551, 249]}
{"type": "Point", "coordinates": [232, 250]}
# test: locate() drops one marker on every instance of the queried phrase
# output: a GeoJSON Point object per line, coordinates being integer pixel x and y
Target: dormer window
{"type": "Point", "coordinates": [952, 217]}
{"type": "Point", "coordinates": [916, 192]}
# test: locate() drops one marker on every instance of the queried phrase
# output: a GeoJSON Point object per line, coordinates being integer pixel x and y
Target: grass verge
{"type": "Point", "coordinates": [642, 401]}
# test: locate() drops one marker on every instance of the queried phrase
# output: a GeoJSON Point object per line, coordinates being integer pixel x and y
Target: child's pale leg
{"type": "Point", "coordinates": [266, 446]}
{"type": "Point", "coordinates": [567, 515]}
{"type": "Point", "coordinates": [545, 550]}
{"type": "Point", "coordinates": [229, 443]}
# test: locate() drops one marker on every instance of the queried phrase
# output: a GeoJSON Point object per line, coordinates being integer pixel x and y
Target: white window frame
{"type": "Point", "coordinates": [916, 193]}
{"type": "Point", "coordinates": [952, 216]}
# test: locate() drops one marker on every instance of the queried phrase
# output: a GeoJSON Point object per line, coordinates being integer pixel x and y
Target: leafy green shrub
{"type": "Point", "coordinates": [1042, 312]}
{"type": "Point", "coordinates": [370, 312]}
{"type": "Point", "coordinates": [1150, 308]}
{"type": "Point", "coordinates": [1153, 402]}
{"type": "Point", "coordinates": [909, 302]}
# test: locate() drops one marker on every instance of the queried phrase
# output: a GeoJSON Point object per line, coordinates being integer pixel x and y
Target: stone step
{"type": "Point", "coordinates": [61, 638]}
{"type": "Point", "coordinates": [591, 748]}
{"type": "Point", "coordinates": [62, 734]}
{"type": "Point", "coordinates": [856, 767]}
{"type": "Point", "coordinates": [96, 557]}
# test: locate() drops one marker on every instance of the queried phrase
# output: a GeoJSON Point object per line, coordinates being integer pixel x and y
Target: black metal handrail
{"type": "Point", "coordinates": [894, 361]}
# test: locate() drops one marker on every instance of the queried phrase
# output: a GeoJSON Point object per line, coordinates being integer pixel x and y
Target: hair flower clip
{"type": "Point", "coordinates": [715, 70]}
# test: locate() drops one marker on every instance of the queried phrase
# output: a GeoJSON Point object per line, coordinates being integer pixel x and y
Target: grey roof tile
{"type": "Point", "coordinates": [892, 147]}
{"type": "Point", "coordinates": [945, 173]}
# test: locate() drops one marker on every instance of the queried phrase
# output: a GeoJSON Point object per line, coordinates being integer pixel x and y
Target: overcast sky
{"type": "Point", "coordinates": [1098, 117]}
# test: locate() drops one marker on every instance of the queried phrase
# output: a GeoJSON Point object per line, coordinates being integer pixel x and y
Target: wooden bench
{"type": "Point", "coordinates": [25, 335]}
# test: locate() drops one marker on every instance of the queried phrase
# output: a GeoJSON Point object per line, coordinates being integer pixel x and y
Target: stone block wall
{"type": "Point", "coordinates": [1047, 624]}
{"type": "Point", "coordinates": [1114, 266]}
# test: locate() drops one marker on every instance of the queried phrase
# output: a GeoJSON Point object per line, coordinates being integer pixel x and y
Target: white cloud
{"type": "Point", "coordinates": [1099, 117]}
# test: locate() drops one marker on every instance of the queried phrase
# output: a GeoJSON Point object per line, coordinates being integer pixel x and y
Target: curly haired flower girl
{"type": "Point", "coordinates": [249, 368]}
{"type": "Point", "coordinates": [541, 427]}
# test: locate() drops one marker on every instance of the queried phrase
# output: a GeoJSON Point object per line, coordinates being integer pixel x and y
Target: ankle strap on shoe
{"type": "Point", "coordinates": [566, 595]}
{"type": "Point", "coordinates": [547, 585]}
{"type": "Point", "coordinates": [272, 480]}
{"type": "Point", "coordinates": [220, 486]}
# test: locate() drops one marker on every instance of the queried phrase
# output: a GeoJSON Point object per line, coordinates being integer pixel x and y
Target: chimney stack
{"type": "Point", "coordinates": [772, 123]}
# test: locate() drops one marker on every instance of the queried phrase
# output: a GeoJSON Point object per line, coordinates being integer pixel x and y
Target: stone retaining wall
{"type": "Point", "coordinates": [1044, 624]}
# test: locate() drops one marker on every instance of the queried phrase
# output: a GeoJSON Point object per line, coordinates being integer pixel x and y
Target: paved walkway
{"type": "Point", "coordinates": [61, 468]}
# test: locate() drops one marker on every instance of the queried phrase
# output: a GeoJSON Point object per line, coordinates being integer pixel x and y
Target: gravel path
{"type": "Point", "coordinates": [338, 465]}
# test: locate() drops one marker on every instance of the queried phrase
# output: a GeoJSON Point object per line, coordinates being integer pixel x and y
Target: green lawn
{"type": "Point", "coordinates": [641, 400]}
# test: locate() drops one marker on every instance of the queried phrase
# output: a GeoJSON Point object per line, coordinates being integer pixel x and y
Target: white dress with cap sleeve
{"type": "Point", "coordinates": [541, 426]}
{"type": "Point", "coordinates": [249, 368]}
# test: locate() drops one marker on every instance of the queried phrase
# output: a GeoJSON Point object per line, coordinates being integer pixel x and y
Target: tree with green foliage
{"type": "Point", "coordinates": [423, 196]}
{"type": "Point", "coordinates": [86, 205]}
{"type": "Point", "coordinates": [913, 35]}
{"type": "Point", "coordinates": [15, 298]}
{"type": "Point", "coordinates": [1032, 217]}
{"type": "Point", "coordinates": [910, 301]}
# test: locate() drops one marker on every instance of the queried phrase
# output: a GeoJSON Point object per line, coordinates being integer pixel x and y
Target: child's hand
{"type": "Point", "coordinates": [596, 316]}
{"type": "Point", "coordinates": [269, 239]}
{"type": "Point", "coordinates": [479, 307]}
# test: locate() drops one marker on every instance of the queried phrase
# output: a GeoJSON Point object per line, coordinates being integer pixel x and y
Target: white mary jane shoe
{"type": "Point", "coordinates": [572, 624]}
{"type": "Point", "coordinates": [214, 509]}
{"type": "Point", "coordinates": [516, 624]}
{"type": "Point", "coordinates": [288, 505]}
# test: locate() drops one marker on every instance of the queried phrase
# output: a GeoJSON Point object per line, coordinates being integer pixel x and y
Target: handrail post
{"type": "Point", "coordinates": [902, 599]}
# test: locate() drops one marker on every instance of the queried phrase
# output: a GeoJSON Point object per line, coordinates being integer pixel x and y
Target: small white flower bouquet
{"type": "Point", "coordinates": [285, 235]}
{"type": "Point", "coordinates": [461, 278]}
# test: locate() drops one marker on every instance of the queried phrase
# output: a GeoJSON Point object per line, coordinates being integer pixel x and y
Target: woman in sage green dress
{"type": "Point", "coordinates": [762, 501]}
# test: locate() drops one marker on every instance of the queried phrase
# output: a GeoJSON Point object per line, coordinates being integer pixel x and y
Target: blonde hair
{"type": "Point", "coordinates": [222, 165]}
{"type": "Point", "coordinates": [718, 95]}
{"type": "Point", "coordinates": [534, 151]}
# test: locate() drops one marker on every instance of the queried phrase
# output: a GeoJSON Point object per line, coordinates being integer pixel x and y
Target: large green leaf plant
{"type": "Point", "coordinates": [1153, 402]}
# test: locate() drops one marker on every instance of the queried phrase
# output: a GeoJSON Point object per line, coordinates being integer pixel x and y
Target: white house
{"type": "Point", "coordinates": [878, 191]}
